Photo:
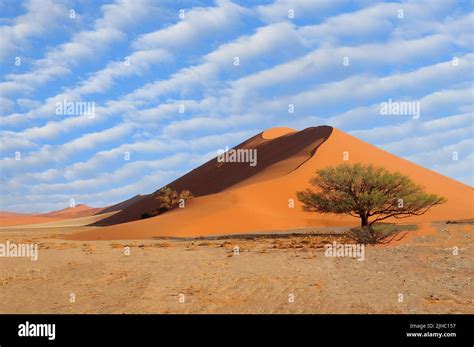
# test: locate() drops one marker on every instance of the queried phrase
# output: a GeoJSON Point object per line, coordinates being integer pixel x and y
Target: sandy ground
{"type": "Point", "coordinates": [205, 276]}
{"type": "Point", "coordinates": [74, 222]}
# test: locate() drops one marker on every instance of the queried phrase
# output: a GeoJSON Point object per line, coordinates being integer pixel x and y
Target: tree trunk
{"type": "Point", "coordinates": [364, 221]}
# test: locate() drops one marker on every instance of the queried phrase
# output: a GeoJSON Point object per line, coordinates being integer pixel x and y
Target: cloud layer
{"type": "Point", "coordinates": [171, 84]}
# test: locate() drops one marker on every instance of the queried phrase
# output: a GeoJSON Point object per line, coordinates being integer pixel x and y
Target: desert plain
{"type": "Point", "coordinates": [268, 274]}
{"type": "Point", "coordinates": [243, 244]}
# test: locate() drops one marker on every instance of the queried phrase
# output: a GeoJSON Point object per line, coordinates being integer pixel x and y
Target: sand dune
{"type": "Point", "coordinates": [259, 200]}
{"type": "Point", "coordinates": [122, 205]}
{"type": "Point", "coordinates": [11, 219]}
{"type": "Point", "coordinates": [280, 151]}
{"type": "Point", "coordinates": [78, 211]}
{"type": "Point", "coordinates": [63, 223]}
{"type": "Point", "coordinates": [273, 133]}
{"type": "Point", "coordinates": [6, 214]}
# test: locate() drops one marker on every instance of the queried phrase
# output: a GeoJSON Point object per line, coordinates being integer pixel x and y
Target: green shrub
{"type": "Point", "coordinates": [379, 233]}
{"type": "Point", "coordinates": [367, 192]}
{"type": "Point", "coordinates": [169, 199]}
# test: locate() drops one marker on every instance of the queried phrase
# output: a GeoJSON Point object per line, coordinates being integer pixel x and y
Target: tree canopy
{"type": "Point", "coordinates": [367, 192]}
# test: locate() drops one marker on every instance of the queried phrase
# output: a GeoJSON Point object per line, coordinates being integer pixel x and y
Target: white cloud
{"type": "Point", "coordinates": [63, 153]}
{"type": "Point", "coordinates": [6, 106]}
{"type": "Point", "coordinates": [284, 61]}
{"type": "Point", "coordinates": [431, 106]}
{"type": "Point", "coordinates": [41, 18]}
{"type": "Point", "coordinates": [279, 9]}
{"type": "Point", "coordinates": [139, 61]}
{"type": "Point", "coordinates": [357, 26]}
{"type": "Point", "coordinates": [387, 133]}
{"type": "Point", "coordinates": [26, 103]}
{"type": "Point", "coordinates": [135, 64]}
{"type": "Point", "coordinates": [84, 45]}
{"type": "Point", "coordinates": [323, 63]}
{"type": "Point", "coordinates": [48, 202]}
{"type": "Point", "coordinates": [113, 179]}
{"type": "Point", "coordinates": [198, 23]}
{"type": "Point", "coordinates": [265, 40]}
{"type": "Point", "coordinates": [427, 142]}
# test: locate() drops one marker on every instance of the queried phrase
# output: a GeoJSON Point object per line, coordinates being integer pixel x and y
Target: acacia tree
{"type": "Point", "coordinates": [169, 198]}
{"type": "Point", "coordinates": [367, 192]}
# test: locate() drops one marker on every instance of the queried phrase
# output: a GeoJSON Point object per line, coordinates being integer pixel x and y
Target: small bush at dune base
{"type": "Point", "coordinates": [379, 233]}
{"type": "Point", "coordinates": [169, 199]}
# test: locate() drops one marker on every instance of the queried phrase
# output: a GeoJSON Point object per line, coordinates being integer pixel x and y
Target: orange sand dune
{"type": "Point", "coordinates": [11, 218]}
{"type": "Point", "coordinates": [260, 202]}
{"type": "Point", "coordinates": [273, 133]}
{"type": "Point", "coordinates": [280, 151]}
{"type": "Point", "coordinates": [78, 211]}
{"type": "Point", "coordinates": [21, 219]}
{"type": "Point", "coordinates": [62, 223]}
{"type": "Point", "coordinates": [4, 214]}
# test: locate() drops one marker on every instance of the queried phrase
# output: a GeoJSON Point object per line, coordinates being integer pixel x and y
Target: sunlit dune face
{"type": "Point", "coordinates": [239, 200]}
{"type": "Point", "coordinates": [273, 133]}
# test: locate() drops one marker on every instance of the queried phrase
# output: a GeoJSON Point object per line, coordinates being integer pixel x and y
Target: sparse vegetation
{"type": "Point", "coordinates": [169, 199]}
{"type": "Point", "coordinates": [370, 193]}
{"type": "Point", "coordinates": [379, 233]}
{"type": "Point", "coordinates": [461, 221]}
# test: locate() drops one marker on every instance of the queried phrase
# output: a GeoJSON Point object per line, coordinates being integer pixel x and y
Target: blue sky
{"type": "Point", "coordinates": [141, 61]}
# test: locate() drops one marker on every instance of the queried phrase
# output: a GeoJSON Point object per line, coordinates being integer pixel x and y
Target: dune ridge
{"type": "Point", "coordinates": [263, 203]}
{"type": "Point", "coordinates": [285, 151]}
{"type": "Point", "coordinates": [63, 223]}
{"type": "Point", "coordinates": [13, 219]}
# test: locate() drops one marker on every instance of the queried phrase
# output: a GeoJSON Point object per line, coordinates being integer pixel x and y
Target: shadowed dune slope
{"type": "Point", "coordinates": [280, 151]}
{"type": "Point", "coordinates": [263, 204]}
{"type": "Point", "coordinates": [122, 205]}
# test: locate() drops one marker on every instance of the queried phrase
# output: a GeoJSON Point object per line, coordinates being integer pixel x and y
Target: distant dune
{"type": "Point", "coordinates": [78, 211]}
{"type": "Point", "coordinates": [6, 214]}
{"type": "Point", "coordinates": [11, 218]}
{"type": "Point", "coordinates": [63, 223]}
{"type": "Point", "coordinates": [238, 198]}
{"type": "Point", "coordinates": [81, 210]}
